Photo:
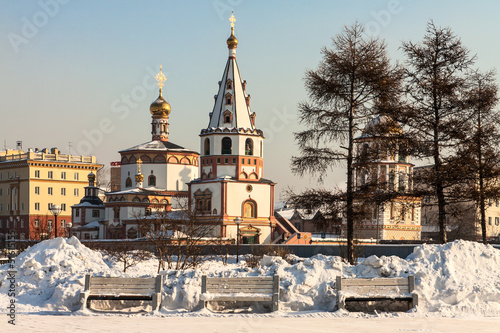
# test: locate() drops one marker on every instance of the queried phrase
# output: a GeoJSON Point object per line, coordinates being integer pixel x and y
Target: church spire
{"type": "Point", "coordinates": [232, 103]}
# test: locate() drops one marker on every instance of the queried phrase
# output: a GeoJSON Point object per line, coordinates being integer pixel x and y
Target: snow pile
{"type": "Point", "coordinates": [451, 279]}
{"type": "Point", "coordinates": [458, 277]}
{"type": "Point", "coordinates": [50, 274]}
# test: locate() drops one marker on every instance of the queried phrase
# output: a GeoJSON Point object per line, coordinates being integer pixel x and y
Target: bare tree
{"type": "Point", "coordinates": [124, 252]}
{"type": "Point", "coordinates": [479, 153]}
{"type": "Point", "coordinates": [436, 87]}
{"type": "Point", "coordinates": [40, 228]}
{"type": "Point", "coordinates": [344, 91]}
{"type": "Point", "coordinates": [178, 237]}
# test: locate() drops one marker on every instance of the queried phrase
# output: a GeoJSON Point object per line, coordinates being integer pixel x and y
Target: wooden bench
{"type": "Point", "coordinates": [116, 288]}
{"type": "Point", "coordinates": [255, 289]}
{"type": "Point", "coordinates": [377, 290]}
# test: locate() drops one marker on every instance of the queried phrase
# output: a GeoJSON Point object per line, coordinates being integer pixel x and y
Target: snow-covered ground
{"type": "Point", "coordinates": [458, 285]}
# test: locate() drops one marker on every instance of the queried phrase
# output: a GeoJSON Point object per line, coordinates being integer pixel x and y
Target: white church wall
{"type": "Point", "coordinates": [223, 170]}
{"type": "Point", "coordinates": [178, 175]}
{"type": "Point", "coordinates": [237, 194]}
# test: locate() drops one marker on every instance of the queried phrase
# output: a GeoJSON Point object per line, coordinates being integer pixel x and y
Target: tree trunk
{"type": "Point", "coordinates": [349, 198]}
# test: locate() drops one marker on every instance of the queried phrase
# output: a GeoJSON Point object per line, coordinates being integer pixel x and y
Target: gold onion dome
{"type": "Point", "coordinates": [160, 107]}
{"type": "Point", "coordinates": [232, 42]}
{"type": "Point", "coordinates": [91, 177]}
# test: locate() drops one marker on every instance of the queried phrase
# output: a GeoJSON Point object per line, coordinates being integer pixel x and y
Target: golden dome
{"type": "Point", "coordinates": [232, 42]}
{"type": "Point", "coordinates": [160, 107]}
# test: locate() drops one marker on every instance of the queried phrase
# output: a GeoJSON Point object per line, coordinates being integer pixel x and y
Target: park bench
{"type": "Point", "coordinates": [117, 288]}
{"type": "Point", "coordinates": [383, 294]}
{"type": "Point", "coordinates": [254, 289]}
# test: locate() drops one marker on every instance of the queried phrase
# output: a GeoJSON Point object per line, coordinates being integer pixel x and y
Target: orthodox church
{"type": "Point", "coordinates": [231, 183]}
{"type": "Point", "coordinates": [153, 176]}
{"type": "Point", "coordinates": [383, 169]}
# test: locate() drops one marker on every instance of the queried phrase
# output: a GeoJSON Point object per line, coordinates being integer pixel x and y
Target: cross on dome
{"type": "Point", "coordinates": [160, 78]}
{"type": "Point", "coordinates": [232, 19]}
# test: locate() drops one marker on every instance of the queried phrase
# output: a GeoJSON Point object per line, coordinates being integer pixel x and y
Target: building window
{"type": "Point", "coordinates": [76, 176]}
{"type": "Point", "coordinates": [207, 146]}
{"type": "Point", "coordinates": [497, 220]}
{"type": "Point", "coordinates": [250, 209]}
{"type": "Point", "coordinates": [229, 99]}
{"type": "Point", "coordinates": [37, 173]}
{"type": "Point", "coordinates": [63, 223]}
{"type": "Point", "coordinates": [63, 191]}
{"type": "Point", "coordinates": [50, 222]}
{"type": "Point", "coordinates": [229, 84]}
{"type": "Point", "coordinates": [152, 180]}
{"type": "Point", "coordinates": [22, 223]}
{"type": "Point", "coordinates": [37, 223]}
{"type": "Point", "coordinates": [116, 212]}
{"type": "Point", "coordinates": [50, 175]}
{"type": "Point", "coordinates": [63, 207]}
{"type": "Point", "coordinates": [76, 192]}
{"type": "Point", "coordinates": [50, 190]}
{"type": "Point", "coordinates": [496, 203]}
{"type": "Point", "coordinates": [37, 190]}
{"type": "Point", "coordinates": [63, 175]}
{"type": "Point", "coordinates": [0, 191]}
{"type": "Point", "coordinates": [248, 147]}
{"type": "Point", "coordinates": [489, 220]}
{"type": "Point", "coordinates": [95, 213]}
{"type": "Point", "coordinates": [128, 182]}
{"type": "Point", "coordinates": [50, 204]}
{"type": "Point", "coordinates": [77, 212]}
{"type": "Point", "coordinates": [227, 146]}
{"type": "Point", "coordinates": [228, 117]}
{"type": "Point", "coordinates": [203, 201]}
{"type": "Point", "coordinates": [1, 207]}
{"type": "Point", "coordinates": [37, 206]}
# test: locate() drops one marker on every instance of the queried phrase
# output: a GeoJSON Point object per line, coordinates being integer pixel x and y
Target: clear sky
{"type": "Point", "coordinates": [82, 71]}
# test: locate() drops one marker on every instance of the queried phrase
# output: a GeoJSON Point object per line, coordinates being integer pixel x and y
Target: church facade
{"type": "Point", "coordinates": [154, 176]}
{"type": "Point", "coordinates": [231, 183]}
{"type": "Point", "coordinates": [384, 174]}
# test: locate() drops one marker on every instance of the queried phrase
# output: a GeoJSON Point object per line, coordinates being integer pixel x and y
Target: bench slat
{"type": "Point", "coordinates": [121, 291]}
{"type": "Point", "coordinates": [240, 280]}
{"type": "Point", "coordinates": [239, 285]}
{"type": "Point", "coordinates": [377, 290]}
{"type": "Point", "coordinates": [236, 282]}
{"type": "Point", "coordinates": [118, 286]}
{"type": "Point", "coordinates": [114, 280]}
{"type": "Point", "coordinates": [375, 282]}
{"type": "Point", "coordinates": [239, 290]}
{"type": "Point", "coordinates": [248, 297]}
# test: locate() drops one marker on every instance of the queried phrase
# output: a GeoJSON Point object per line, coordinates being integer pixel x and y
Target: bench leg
{"type": "Point", "coordinates": [156, 301]}
{"type": "Point", "coordinates": [83, 300]}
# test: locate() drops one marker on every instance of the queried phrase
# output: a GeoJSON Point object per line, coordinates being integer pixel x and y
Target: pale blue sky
{"type": "Point", "coordinates": [73, 73]}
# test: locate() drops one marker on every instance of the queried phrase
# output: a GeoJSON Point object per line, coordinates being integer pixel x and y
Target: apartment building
{"type": "Point", "coordinates": [31, 182]}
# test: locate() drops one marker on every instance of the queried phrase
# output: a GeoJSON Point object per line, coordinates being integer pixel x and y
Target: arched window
{"type": "Point", "coordinates": [227, 146]}
{"type": "Point", "coordinates": [229, 99]}
{"type": "Point", "coordinates": [128, 182]}
{"type": "Point", "coordinates": [250, 209]}
{"type": "Point", "coordinates": [228, 116]}
{"type": "Point", "coordinates": [229, 84]}
{"type": "Point", "coordinates": [152, 180]}
{"type": "Point", "coordinates": [248, 147]}
{"type": "Point", "coordinates": [402, 182]}
{"type": "Point", "coordinates": [207, 146]}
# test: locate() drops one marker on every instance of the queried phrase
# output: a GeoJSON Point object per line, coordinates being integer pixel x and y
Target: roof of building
{"type": "Point", "coordinates": [158, 145]}
{"type": "Point", "coordinates": [232, 87]}
{"type": "Point", "coordinates": [232, 179]}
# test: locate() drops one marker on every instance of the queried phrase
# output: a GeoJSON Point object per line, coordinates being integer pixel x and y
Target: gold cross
{"type": "Point", "coordinates": [232, 19]}
{"type": "Point", "coordinates": [160, 78]}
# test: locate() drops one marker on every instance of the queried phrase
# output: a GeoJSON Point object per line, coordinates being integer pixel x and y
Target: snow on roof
{"type": "Point", "coordinates": [158, 145]}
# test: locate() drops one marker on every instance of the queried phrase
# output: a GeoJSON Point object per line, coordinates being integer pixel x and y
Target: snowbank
{"type": "Point", "coordinates": [452, 279]}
